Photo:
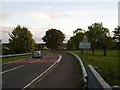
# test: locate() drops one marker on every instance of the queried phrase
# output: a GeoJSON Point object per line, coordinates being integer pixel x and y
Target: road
{"type": "Point", "coordinates": [64, 75]}
{"type": "Point", "coordinates": [18, 74]}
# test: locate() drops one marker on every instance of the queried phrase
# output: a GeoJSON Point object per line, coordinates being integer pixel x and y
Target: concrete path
{"type": "Point", "coordinates": [64, 75]}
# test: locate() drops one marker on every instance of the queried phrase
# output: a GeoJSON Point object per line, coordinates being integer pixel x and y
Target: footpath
{"type": "Point", "coordinates": [64, 75]}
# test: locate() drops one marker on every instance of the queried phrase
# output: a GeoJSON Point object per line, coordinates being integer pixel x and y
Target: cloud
{"type": "Point", "coordinates": [76, 13]}
{"type": "Point", "coordinates": [53, 16]}
{"type": "Point", "coordinates": [5, 31]}
{"type": "Point", "coordinates": [47, 7]}
{"type": "Point", "coordinates": [72, 13]}
{"type": "Point", "coordinates": [4, 16]}
{"type": "Point", "coordinates": [38, 15]}
{"type": "Point", "coordinates": [43, 16]}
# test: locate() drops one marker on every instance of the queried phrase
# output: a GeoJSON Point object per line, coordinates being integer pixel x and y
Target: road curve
{"type": "Point", "coordinates": [18, 74]}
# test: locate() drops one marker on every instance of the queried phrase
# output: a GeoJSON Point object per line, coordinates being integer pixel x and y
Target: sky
{"type": "Point", "coordinates": [38, 17]}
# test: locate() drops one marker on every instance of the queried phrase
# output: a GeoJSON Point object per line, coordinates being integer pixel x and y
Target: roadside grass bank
{"type": "Point", "coordinates": [108, 66]}
{"type": "Point", "coordinates": [8, 59]}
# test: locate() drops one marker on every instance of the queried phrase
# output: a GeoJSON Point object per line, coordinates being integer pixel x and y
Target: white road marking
{"type": "Point", "coordinates": [60, 57]}
{"type": "Point", "coordinates": [11, 69]}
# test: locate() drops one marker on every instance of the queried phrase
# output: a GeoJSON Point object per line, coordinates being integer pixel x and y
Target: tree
{"type": "Point", "coordinates": [79, 30]}
{"type": "Point", "coordinates": [37, 46]}
{"type": "Point", "coordinates": [97, 35]}
{"type": "Point", "coordinates": [53, 38]}
{"type": "Point", "coordinates": [117, 33]}
{"type": "Point", "coordinates": [117, 36]}
{"type": "Point", "coordinates": [21, 41]}
{"type": "Point", "coordinates": [73, 42]}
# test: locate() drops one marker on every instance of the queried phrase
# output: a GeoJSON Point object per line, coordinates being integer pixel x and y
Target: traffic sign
{"type": "Point", "coordinates": [85, 44]}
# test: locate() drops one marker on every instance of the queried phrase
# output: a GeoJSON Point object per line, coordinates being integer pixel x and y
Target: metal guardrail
{"type": "Point", "coordinates": [92, 80]}
{"type": "Point", "coordinates": [85, 76]}
{"type": "Point", "coordinates": [14, 55]}
{"type": "Point", "coordinates": [95, 81]}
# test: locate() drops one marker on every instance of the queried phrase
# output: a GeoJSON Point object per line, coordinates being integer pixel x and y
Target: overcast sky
{"type": "Point", "coordinates": [38, 17]}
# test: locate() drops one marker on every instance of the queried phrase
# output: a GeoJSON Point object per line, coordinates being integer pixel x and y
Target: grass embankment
{"type": "Point", "coordinates": [14, 58]}
{"type": "Point", "coordinates": [108, 66]}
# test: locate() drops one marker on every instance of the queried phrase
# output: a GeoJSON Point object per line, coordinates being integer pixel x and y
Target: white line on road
{"type": "Point", "coordinates": [60, 57]}
{"type": "Point", "coordinates": [11, 69]}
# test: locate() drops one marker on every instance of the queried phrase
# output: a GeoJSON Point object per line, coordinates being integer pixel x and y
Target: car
{"type": "Point", "coordinates": [37, 54]}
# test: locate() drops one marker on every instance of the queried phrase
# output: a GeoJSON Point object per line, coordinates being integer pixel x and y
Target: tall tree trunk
{"type": "Point", "coordinates": [52, 49]}
{"type": "Point", "coordinates": [82, 51]}
{"type": "Point", "coordinates": [104, 51]}
{"type": "Point", "coordinates": [92, 51]}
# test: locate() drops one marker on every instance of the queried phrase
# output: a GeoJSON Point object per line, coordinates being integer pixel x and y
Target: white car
{"type": "Point", "coordinates": [36, 54]}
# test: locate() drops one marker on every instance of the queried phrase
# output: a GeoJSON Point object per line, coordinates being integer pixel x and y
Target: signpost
{"type": "Point", "coordinates": [85, 44]}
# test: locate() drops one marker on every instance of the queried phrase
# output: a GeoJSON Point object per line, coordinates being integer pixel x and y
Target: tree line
{"type": "Point", "coordinates": [98, 36]}
{"type": "Point", "coordinates": [21, 40]}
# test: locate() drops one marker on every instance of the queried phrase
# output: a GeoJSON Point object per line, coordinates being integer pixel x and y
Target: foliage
{"type": "Point", "coordinates": [79, 30]}
{"type": "Point", "coordinates": [96, 32]}
{"type": "Point", "coordinates": [98, 36]}
{"type": "Point", "coordinates": [37, 46]}
{"type": "Point", "coordinates": [117, 33]}
{"type": "Point", "coordinates": [5, 50]}
{"type": "Point", "coordinates": [54, 38]}
{"type": "Point", "coordinates": [21, 40]}
{"type": "Point", "coordinates": [117, 36]}
{"type": "Point", "coordinates": [73, 42]}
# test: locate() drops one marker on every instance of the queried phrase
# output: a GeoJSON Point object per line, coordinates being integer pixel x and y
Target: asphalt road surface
{"type": "Point", "coordinates": [19, 73]}
{"type": "Point", "coordinates": [64, 75]}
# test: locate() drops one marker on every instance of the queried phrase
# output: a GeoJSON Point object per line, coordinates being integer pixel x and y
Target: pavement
{"type": "Point", "coordinates": [64, 75]}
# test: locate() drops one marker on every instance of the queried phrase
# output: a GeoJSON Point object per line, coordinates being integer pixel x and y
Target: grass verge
{"type": "Point", "coordinates": [108, 66]}
{"type": "Point", "coordinates": [8, 59]}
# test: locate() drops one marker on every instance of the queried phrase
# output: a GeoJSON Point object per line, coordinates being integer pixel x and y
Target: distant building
{"type": "Point", "coordinates": [41, 46]}
{"type": "Point", "coordinates": [4, 45]}
{"type": "Point", "coordinates": [45, 48]}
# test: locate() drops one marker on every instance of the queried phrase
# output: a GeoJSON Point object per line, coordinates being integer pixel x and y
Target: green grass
{"type": "Point", "coordinates": [14, 58]}
{"type": "Point", "coordinates": [107, 65]}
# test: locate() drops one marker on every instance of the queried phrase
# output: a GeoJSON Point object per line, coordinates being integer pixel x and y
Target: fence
{"type": "Point", "coordinates": [14, 55]}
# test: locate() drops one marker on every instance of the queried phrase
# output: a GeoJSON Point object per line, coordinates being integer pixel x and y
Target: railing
{"type": "Point", "coordinates": [95, 81]}
{"type": "Point", "coordinates": [85, 76]}
{"type": "Point", "coordinates": [92, 80]}
{"type": "Point", "coordinates": [14, 55]}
